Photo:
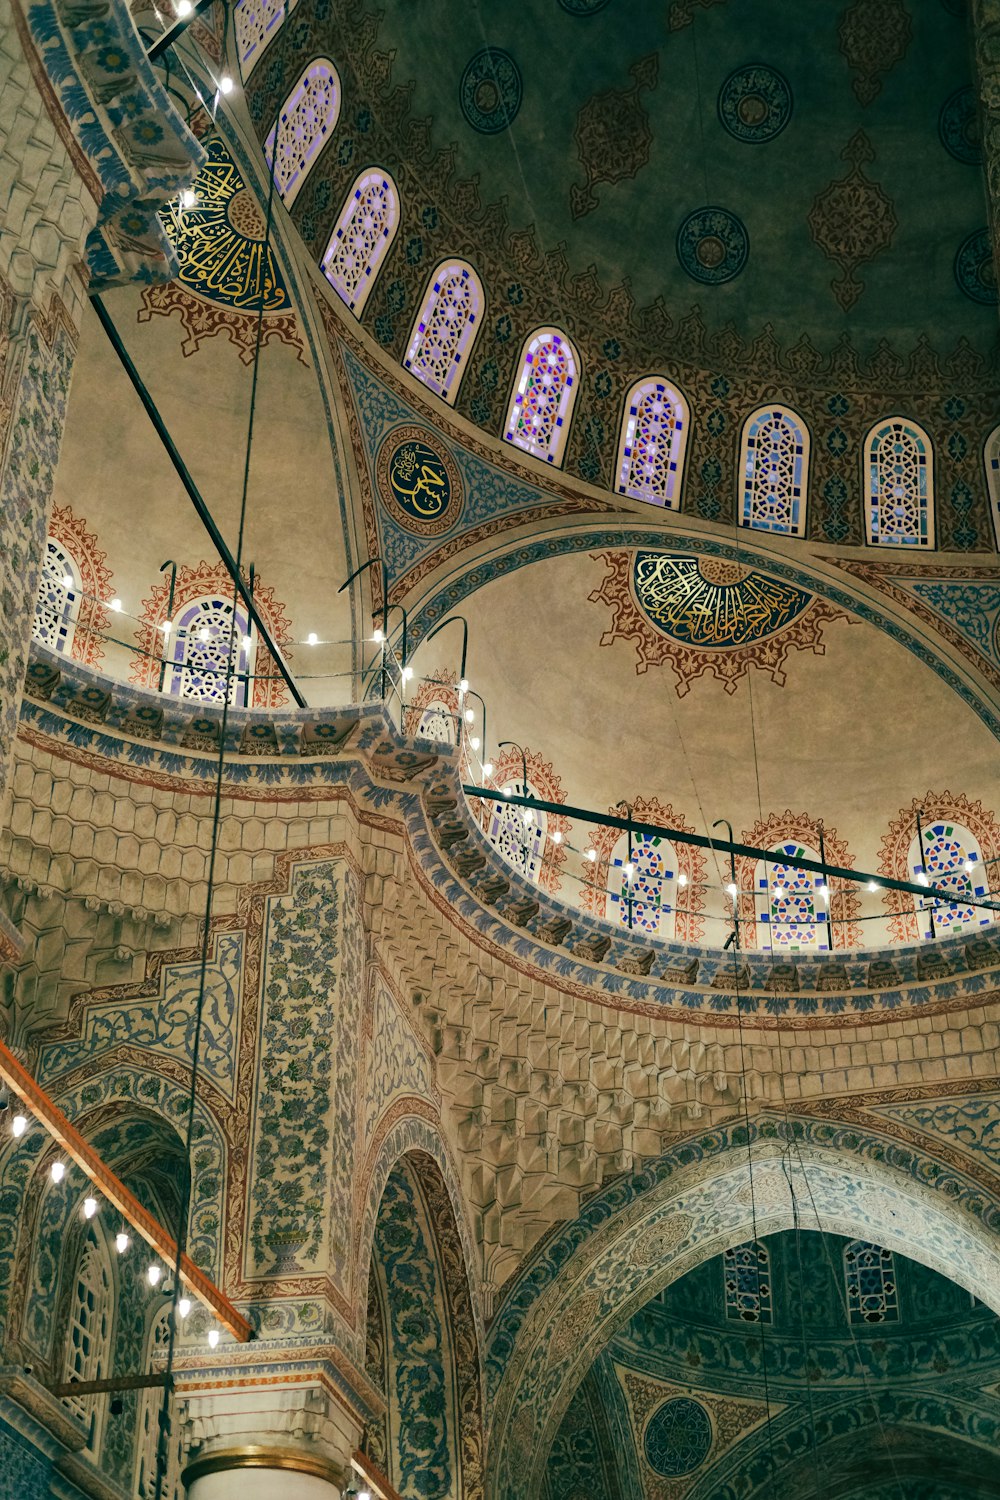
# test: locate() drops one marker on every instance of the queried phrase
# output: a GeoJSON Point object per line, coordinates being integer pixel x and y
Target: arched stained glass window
{"type": "Point", "coordinates": [747, 1273]}
{"type": "Point", "coordinates": [256, 22]}
{"type": "Point", "coordinates": [518, 833]}
{"type": "Point", "coordinates": [774, 471]}
{"type": "Point", "coordinates": [368, 222]}
{"type": "Point", "coordinates": [899, 482]}
{"type": "Point", "coordinates": [790, 903]}
{"type": "Point", "coordinates": [445, 328]}
{"type": "Point", "coordinates": [950, 861]}
{"type": "Point", "coordinates": [88, 1350]}
{"type": "Point", "coordinates": [149, 1426]}
{"type": "Point", "coordinates": [653, 440]}
{"type": "Point", "coordinates": [542, 403]}
{"type": "Point", "coordinates": [870, 1279]}
{"type": "Point", "coordinates": [639, 897]}
{"type": "Point", "coordinates": [991, 457]}
{"type": "Point", "coordinates": [305, 123]}
{"type": "Point", "coordinates": [437, 722]}
{"type": "Point", "coordinates": [57, 603]}
{"type": "Point", "coordinates": [202, 640]}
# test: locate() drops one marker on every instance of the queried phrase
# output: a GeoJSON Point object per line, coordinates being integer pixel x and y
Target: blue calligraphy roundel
{"type": "Point", "coordinates": [419, 481]}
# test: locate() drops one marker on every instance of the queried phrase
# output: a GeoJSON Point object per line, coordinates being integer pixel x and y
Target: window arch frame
{"type": "Point", "coordinates": [459, 361]}
{"type": "Point", "coordinates": [94, 1363]}
{"type": "Point", "coordinates": [286, 114]}
{"type": "Point", "coordinates": [991, 464]}
{"type": "Point", "coordinates": [925, 542]}
{"type": "Point", "coordinates": [764, 897]}
{"type": "Point", "coordinates": [147, 1424]}
{"type": "Point", "coordinates": [931, 918]}
{"type": "Point", "coordinates": [265, 33]}
{"type": "Point", "coordinates": [748, 1303]}
{"type": "Point", "coordinates": [501, 813]}
{"type": "Point", "coordinates": [72, 598]}
{"type": "Point", "coordinates": [555, 450]}
{"type": "Point", "coordinates": [181, 635]}
{"type": "Point", "coordinates": [857, 1297]}
{"type": "Point", "coordinates": [356, 304]}
{"type": "Point", "coordinates": [678, 443]}
{"type": "Point", "coordinates": [799, 500]}
{"type": "Point", "coordinates": [616, 901]}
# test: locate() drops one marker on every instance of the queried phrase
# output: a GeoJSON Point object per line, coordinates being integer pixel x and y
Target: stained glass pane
{"type": "Point", "coordinates": [638, 897]}
{"type": "Point", "coordinates": [951, 862]}
{"type": "Point", "coordinates": [57, 603]}
{"type": "Point", "coordinates": [774, 469]}
{"type": "Point", "coordinates": [89, 1344]}
{"type": "Point", "coordinates": [900, 485]}
{"type": "Point", "coordinates": [307, 119]}
{"type": "Point", "coordinates": [793, 915]}
{"type": "Point", "coordinates": [651, 451]}
{"type": "Point", "coordinates": [201, 651]}
{"type": "Point", "coordinates": [149, 1428]}
{"type": "Point", "coordinates": [361, 239]}
{"type": "Point", "coordinates": [991, 456]}
{"type": "Point", "coordinates": [521, 844]}
{"type": "Point", "coordinates": [747, 1272]}
{"type": "Point", "coordinates": [539, 414]}
{"type": "Point", "coordinates": [437, 723]}
{"type": "Point", "coordinates": [871, 1283]}
{"type": "Point", "coordinates": [446, 325]}
{"type": "Point", "coordinates": [256, 22]}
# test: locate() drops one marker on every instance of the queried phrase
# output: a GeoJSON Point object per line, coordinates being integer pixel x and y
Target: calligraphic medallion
{"type": "Point", "coordinates": [418, 481]}
{"type": "Point", "coordinates": [702, 601]}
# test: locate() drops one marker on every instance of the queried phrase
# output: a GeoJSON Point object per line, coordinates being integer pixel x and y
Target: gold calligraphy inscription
{"type": "Point", "coordinates": [418, 481]}
{"type": "Point", "coordinates": [681, 602]}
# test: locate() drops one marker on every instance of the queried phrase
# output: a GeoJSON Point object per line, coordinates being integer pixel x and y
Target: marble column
{"type": "Point", "coordinates": [261, 1474]}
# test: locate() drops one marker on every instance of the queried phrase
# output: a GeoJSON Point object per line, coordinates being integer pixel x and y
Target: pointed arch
{"type": "Point", "coordinates": [870, 1283]}
{"type": "Point", "coordinates": [433, 710]}
{"type": "Point", "coordinates": [746, 1271]}
{"type": "Point", "coordinates": [899, 484]}
{"type": "Point", "coordinates": [668, 885]}
{"type": "Point", "coordinates": [445, 328]}
{"type": "Point", "coordinates": [784, 909]}
{"type": "Point", "coordinates": [305, 123]}
{"type": "Point", "coordinates": [255, 23]}
{"type": "Point", "coordinates": [148, 1430]}
{"type": "Point", "coordinates": [71, 618]}
{"type": "Point", "coordinates": [774, 471]}
{"type": "Point", "coordinates": [207, 632]}
{"type": "Point", "coordinates": [534, 848]}
{"type": "Point", "coordinates": [957, 833]}
{"type": "Point", "coordinates": [89, 1335]}
{"type": "Point", "coordinates": [57, 602]}
{"type": "Point", "coordinates": [653, 443]}
{"type": "Point", "coordinates": [545, 387]}
{"type": "Point", "coordinates": [365, 230]}
{"type": "Point", "coordinates": [991, 459]}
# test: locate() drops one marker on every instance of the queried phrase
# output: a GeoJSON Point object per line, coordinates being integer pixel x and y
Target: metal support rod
{"type": "Point", "coordinates": [725, 823]}
{"type": "Point", "coordinates": [465, 637]}
{"type": "Point", "coordinates": [829, 894]}
{"type": "Point", "coordinates": [730, 847]}
{"type": "Point", "coordinates": [102, 1387]}
{"type": "Point", "coordinates": [173, 33]}
{"type": "Point", "coordinates": [194, 494]}
{"type": "Point", "coordinates": [629, 869]}
{"type": "Point", "coordinates": [170, 613]}
{"type": "Point", "coordinates": [920, 846]}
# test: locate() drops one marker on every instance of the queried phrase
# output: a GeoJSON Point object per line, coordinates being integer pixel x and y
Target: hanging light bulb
{"type": "Point", "coordinates": [779, 890]}
{"type": "Point", "coordinates": [529, 817]}
{"type": "Point", "coordinates": [487, 768]}
{"type": "Point", "coordinates": [247, 643]}
{"type": "Point", "coordinates": [507, 791]}
{"type": "Point", "coordinates": [732, 889]}
{"type": "Point", "coordinates": [188, 196]}
{"type": "Point", "coordinates": [629, 870]}
{"type": "Point", "coordinates": [407, 673]}
{"type": "Point", "coordinates": [116, 605]}
{"type": "Point", "coordinates": [184, 1306]}
{"type": "Point", "coordinates": [463, 686]}
{"type": "Point", "coordinates": [824, 891]}
{"type": "Point", "coordinates": [121, 1242]}
{"type": "Point", "coordinates": [203, 634]}
{"type": "Point", "coordinates": [469, 716]}
{"type": "Point", "coordinates": [67, 580]}
{"type": "Point", "coordinates": [556, 836]}
{"type": "Point", "coordinates": [213, 1338]}
{"type": "Point", "coordinates": [184, 8]}
{"type": "Point", "coordinates": [474, 742]}
{"type": "Point", "coordinates": [226, 84]}
{"type": "Point", "coordinates": [922, 878]}
{"type": "Point", "coordinates": [18, 1126]}
{"type": "Point", "coordinates": [312, 639]}
{"type": "Point", "coordinates": [378, 636]}
{"type": "Point", "coordinates": [969, 866]}
{"type": "Point", "coordinates": [57, 1171]}
{"type": "Point", "coordinates": [153, 1275]}
{"type": "Point", "coordinates": [682, 879]}
{"type": "Point", "coordinates": [592, 855]}
{"type": "Point", "coordinates": [167, 626]}
{"type": "Point", "coordinates": [89, 1207]}
{"type": "Point", "coordinates": [873, 885]}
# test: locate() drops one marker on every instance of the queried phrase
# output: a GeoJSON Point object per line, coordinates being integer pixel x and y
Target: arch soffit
{"type": "Point", "coordinates": [413, 1137]}
{"type": "Point", "coordinates": [642, 1233]}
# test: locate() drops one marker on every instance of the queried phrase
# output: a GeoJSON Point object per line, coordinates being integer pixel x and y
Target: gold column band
{"type": "Point", "coordinates": [292, 1460]}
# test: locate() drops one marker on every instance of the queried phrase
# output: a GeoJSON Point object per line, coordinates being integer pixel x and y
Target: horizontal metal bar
{"type": "Point", "coordinates": [173, 33]}
{"type": "Point", "coordinates": [117, 1194]}
{"type": "Point", "coordinates": [102, 1387]}
{"type": "Point", "coordinates": [724, 846]}
{"type": "Point", "coordinates": [195, 496]}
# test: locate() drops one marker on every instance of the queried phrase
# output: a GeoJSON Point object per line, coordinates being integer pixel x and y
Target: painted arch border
{"type": "Point", "coordinates": [539, 1351]}
{"type": "Point", "coordinates": [446, 595]}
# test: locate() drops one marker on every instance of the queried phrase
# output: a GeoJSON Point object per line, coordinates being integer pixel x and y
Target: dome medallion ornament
{"type": "Point", "coordinates": [490, 91]}
{"type": "Point", "coordinates": [712, 245]}
{"type": "Point", "coordinates": [755, 103]}
{"type": "Point", "coordinates": [974, 268]}
{"type": "Point", "coordinates": [678, 1437]}
{"type": "Point", "coordinates": [418, 481]}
